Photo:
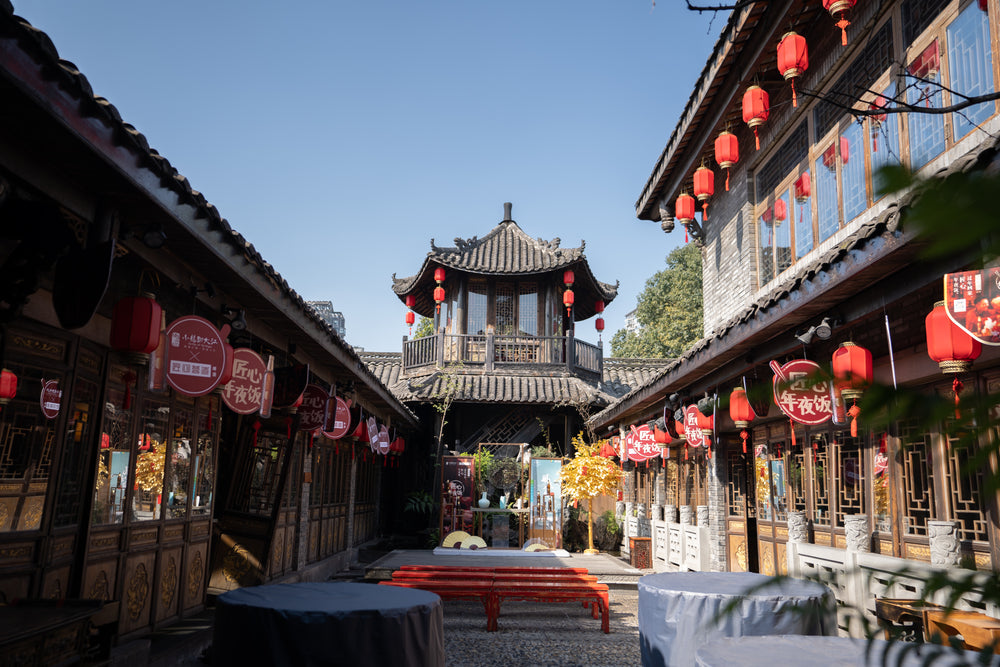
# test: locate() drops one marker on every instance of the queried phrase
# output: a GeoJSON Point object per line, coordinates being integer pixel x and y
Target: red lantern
{"type": "Point", "coordinates": [793, 59]}
{"type": "Point", "coordinates": [598, 306]}
{"type": "Point", "coordinates": [780, 211]}
{"type": "Point", "coordinates": [803, 188]}
{"type": "Point", "coordinates": [607, 451]}
{"type": "Point", "coordinates": [599, 324]}
{"type": "Point", "coordinates": [840, 7]}
{"type": "Point", "coordinates": [684, 211]}
{"type": "Point", "coordinates": [877, 120]}
{"type": "Point", "coordinates": [950, 346]}
{"type": "Point", "coordinates": [410, 318]}
{"type": "Point", "coordinates": [568, 277]}
{"type": "Point", "coordinates": [568, 300]}
{"type": "Point", "coordinates": [439, 275]}
{"type": "Point", "coordinates": [741, 413]}
{"type": "Point", "coordinates": [756, 108]}
{"type": "Point", "coordinates": [704, 187]}
{"type": "Point", "coordinates": [845, 150]}
{"type": "Point", "coordinates": [852, 373]}
{"type": "Point", "coordinates": [411, 300]}
{"type": "Point", "coordinates": [727, 152]}
{"type": "Point", "coordinates": [135, 325]}
{"type": "Point", "coordinates": [439, 297]}
{"type": "Point", "coordinates": [8, 386]}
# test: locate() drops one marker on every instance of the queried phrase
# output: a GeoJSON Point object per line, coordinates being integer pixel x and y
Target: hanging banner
{"type": "Point", "coordinates": [341, 421]}
{"type": "Point", "coordinates": [800, 394]}
{"type": "Point", "coordinates": [640, 444]}
{"type": "Point", "coordinates": [972, 301]}
{"type": "Point", "coordinates": [313, 409]}
{"type": "Point", "coordinates": [383, 440]}
{"type": "Point", "coordinates": [692, 431]}
{"type": "Point", "coordinates": [242, 394]}
{"type": "Point", "coordinates": [372, 433]}
{"type": "Point", "coordinates": [50, 398]}
{"type": "Point", "coordinates": [196, 355]}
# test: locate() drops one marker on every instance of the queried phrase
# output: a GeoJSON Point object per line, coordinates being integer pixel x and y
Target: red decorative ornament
{"type": "Point", "coordinates": [8, 386]}
{"type": "Point", "coordinates": [439, 275]}
{"type": "Point", "coordinates": [135, 325]}
{"type": "Point", "coordinates": [950, 346]}
{"type": "Point", "coordinates": [704, 187]}
{"type": "Point", "coordinates": [840, 7]}
{"type": "Point", "coordinates": [684, 211]}
{"type": "Point", "coordinates": [793, 59]}
{"type": "Point", "coordinates": [803, 188]}
{"type": "Point", "coordinates": [756, 108]}
{"type": "Point", "coordinates": [410, 318]}
{"type": "Point", "coordinates": [852, 374]}
{"type": "Point", "coordinates": [598, 306]}
{"type": "Point", "coordinates": [877, 120]}
{"type": "Point", "coordinates": [780, 211]}
{"type": "Point", "coordinates": [568, 277]}
{"type": "Point", "coordinates": [411, 300]}
{"type": "Point", "coordinates": [568, 300]}
{"type": "Point", "coordinates": [845, 150]}
{"type": "Point", "coordinates": [727, 152]}
{"type": "Point", "coordinates": [741, 413]}
{"type": "Point", "coordinates": [439, 297]}
{"type": "Point", "coordinates": [599, 324]}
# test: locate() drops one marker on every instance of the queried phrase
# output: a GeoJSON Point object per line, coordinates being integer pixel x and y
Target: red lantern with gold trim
{"type": "Point", "coordinates": [950, 346]}
{"type": "Point", "coordinates": [793, 59]}
{"type": "Point", "coordinates": [852, 374]}
{"type": "Point", "coordinates": [704, 187]}
{"type": "Point", "coordinates": [411, 300]}
{"type": "Point", "coordinates": [741, 413]}
{"type": "Point", "coordinates": [438, 297]}
{"type": "Point", "coordinates": [756, 108]}
{"type": "Point", "coordinates": [876, 120]}
{"type": "Point", "coordinates": [803, 187]}
{"type": "Point", "coordinates": [410, 318]}
{"type": "Point", "coordinates": [727, 152]}
{"type": "Point", "coordinates": [599, 324]}
{"type": "Point", "coordinates": [135, 326]}
{"type": "Point", "coordinates": [840, 7]}
{"type": "Point", "coordinates": [568, 277]}
{"type": "Point", "coordinates": [780, 211]}
{"type": "Point", "coordinates": [684, 211]}
{"type": "Point", "coordinates": [439, 275]}
{"type": "Point", "coordinates": [598, 306]}
{"type": "Point", "coordinates": [8, 386]}
{"type": "Point", "coordinates": [568, 300]}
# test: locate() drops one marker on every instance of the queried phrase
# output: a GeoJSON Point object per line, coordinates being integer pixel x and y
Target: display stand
{"type": "Point", "coordinates": [495, 524]}
{"type": "Point", "coordinates": [546, 502]}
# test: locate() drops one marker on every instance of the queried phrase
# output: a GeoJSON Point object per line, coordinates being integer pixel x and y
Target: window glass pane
{"type": "Point", "coordinates": [884, 141]}
{"type": "Point", "coordinates": [527, 309]}
{"type": "Point", "coordinates": [79, 433]}
{"type": "Point", "coordinates": [111, 484]}
{"type": "Point", "coordinates": [827, 208]}
{"type": "Point", "coordinates": [782, 234]}
{"type": "Point", "coordinates": [204, 459]}
{"type": "Point", "coordinates": [852, 160]}
{"type": "Point", "coordinates": [765, 224]}
{"type": "Point", "coordinates": [505, 309]}
{"type": "Point", "coordinates": [803, 214]}
{"type": "Point", "coordinates": [477, 307]}
{"type": "Point", "coordinates": [926, 130]}
{"type": "Point", "coordinates": [180, 464]}
{"type": "Point", "coordinates": [147, 492]}
{"type": "Point", "coordinates": [971, 62]}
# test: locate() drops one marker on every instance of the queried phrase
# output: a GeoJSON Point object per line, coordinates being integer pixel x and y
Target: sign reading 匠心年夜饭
{"type": "Point", "coordinates": [196, 355]}
{"type": "Point", "coordinates": [640, 444]}
{"type": "Point", "coordinates": [692, 431]}
{"type": "Point", "coordinates": [313, 409]}
{"type": "Point", "coordinates": [242, 393]}
{"type": "Point", "coordinates": [800, 393]}
{"type": "Point", "coordinates": [972, 301]}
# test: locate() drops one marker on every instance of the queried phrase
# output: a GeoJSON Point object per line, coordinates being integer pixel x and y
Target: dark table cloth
{"type": "Point", "coordinates": [329, 624]}
{"type": "Point", "coordinates": [681, 611]}
{"type": "Point", "coordinates": [829, 652]}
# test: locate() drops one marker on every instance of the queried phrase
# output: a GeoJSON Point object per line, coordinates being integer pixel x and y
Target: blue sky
{"type": "Point", "coordinates": [340, 137]}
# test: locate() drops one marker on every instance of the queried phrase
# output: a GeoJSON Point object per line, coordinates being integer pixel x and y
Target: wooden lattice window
{"type": "Point", "coordinates": [821, 483]}
{"type": "Point", "coordinates": [851, 475]}
{"type": "Point", "coordinates": [736, 485]}
{"type": "Point", "coordinates": [670, 484]}
{"type": "Point", "coordinates": [918, 492]}
{"type": "Point", "coordinates": [785, 161]}
{"type": "Point", "coordinates": [797, 481]}
{"type": "Point", "coordinates": [917, 15]}
{"type": "Point", "coordinates": [965, 492]}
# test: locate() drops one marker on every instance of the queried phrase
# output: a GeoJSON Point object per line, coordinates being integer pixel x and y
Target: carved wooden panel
{"type": "Point", "coordinates": [139, 537]}
{"type": "Point", "coordinates": [738, 560]}
{"type": "Point", "coordinates": [840, 541]}
{"type": "Point", "coordinates": [920, 552]}
{"type": "Point", "coordinates": [99, 580]}
{"type": "Point", "coordinates": [195, 574]}
{"type": "Point", "coordinates": [291, 535]}
{"type": "Point", "coordinates": [781, 532]}
{"type": "Point", "coordinates": [173, 533]}
{"type": "Point", "coordinates": [765, 551]}
{"type": "Point", "coordinates": [55, 584]}
{"type": "Point", "coordinates": [168, 581]}
{"type": "Point", "coordinates": [276, 560]}
{"type": "Point", "coordinates": [821, 538]}
{"type": "Point", "coordinates": [199, 529]}
{"type": "Point", "coordinates": [61, 548]}
{"type": "Point", "coordinates": [782, 558]}
{"type": "Point", "coordinates": [137, 592]}
{"type": "Point", "coordinates": [885, 547]}
{"type": "Point", "coordinates": [12, 553]}
{"type": "Point", "coordinates": [737, 527]}
{"type": "Point", "coordinates": [104, 542]}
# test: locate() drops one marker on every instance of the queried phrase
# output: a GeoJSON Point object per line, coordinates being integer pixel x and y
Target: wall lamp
{"type": "Point", "coordinates": [822, 331]}
{"type": "Point", "coordinates": [152, 235]}
{"type": "Point", "coordinates": [237, 317]}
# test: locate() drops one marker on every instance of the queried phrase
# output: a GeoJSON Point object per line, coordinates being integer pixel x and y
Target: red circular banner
{"type": "Point", "coordinates": [313, 408]}
{"type": "Point", "coordinates": [695, 436]}
{"type": "Point", "coordinates": [50, 399]}
{"type": "Point", "coordinates": [242, 394]}
{"type": "Point", "coordinates": [383, 440]}
{"type": "Point", "coordinates": [342, 421]}
{"type": "Point", "coordinates": [196, 355]}
{"type": "Point", "coordinates": [800, 393]}
{"type": "Point", "coordinates": [640, 444]}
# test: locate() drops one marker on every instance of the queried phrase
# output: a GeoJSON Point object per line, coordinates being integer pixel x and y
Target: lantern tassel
{"type": "Point", "coordinates": [756, 138]}
{"type": "Point", "coordinates": [842, 24]}
{"type": "Point", "coordinates": [795, 100]}
{"type": "Point", "coordinates": [727, 180]}
{"type": "Point", "coordinates": [792, 425]}
{"type": "Point", "coordinates": [744, 435]}
{"type": "Point", "coordinates": [685, 451]}
{"type": "Point", "coordinates": [853, 412]}
{"type": "Point", "coordinates": [704, 210]}
{"type": "Point", "coordinates": [685, 233]}
{"type": "Point", "coordinates": [957, 387]}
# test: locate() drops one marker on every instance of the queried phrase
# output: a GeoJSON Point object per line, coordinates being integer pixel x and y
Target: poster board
{"type": "Point", "coordinates": [457, 475]}
{"type": "Point", "coordinates": [546, 502]}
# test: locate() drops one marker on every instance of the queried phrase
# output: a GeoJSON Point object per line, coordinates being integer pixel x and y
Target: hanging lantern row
{"type": "Point", "coordinates": [568, 296]}
{"type": "Point", "coordinates": [684, 211]}
{"type": "Point", "coordinates": [840, 8]}
{"type": "Point", "coordinates": [439, 290]}
{"type": "Point", "coordinates": [599, 322]}
{"type": "Point", "coordinates": [411, 301]}
{"type": "Point", "coordinates": [727, 152]}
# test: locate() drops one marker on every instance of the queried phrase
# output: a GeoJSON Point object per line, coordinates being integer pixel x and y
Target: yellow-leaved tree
{"type": "Point", "coordinates": [589, 474]}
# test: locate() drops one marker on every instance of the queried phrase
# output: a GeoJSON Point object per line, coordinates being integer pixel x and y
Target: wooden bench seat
{"type": "Point", "coordinates": [977, 630]}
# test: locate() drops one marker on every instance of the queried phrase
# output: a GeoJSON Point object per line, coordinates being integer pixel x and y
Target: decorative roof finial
{"type": "Point", "coordinates": [506, 212]}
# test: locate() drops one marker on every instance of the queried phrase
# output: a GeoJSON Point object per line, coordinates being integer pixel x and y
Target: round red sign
{"type": "Point", "coordinates": [51, 398]}
{"type": "Point", "coordinates": [695, 436]}
{"type": "Point", "coordinates": [196, 355]}
{"type": "Point", "coordinates": [383, 440]}
{"type": "Point", "coordinates": [640, 445]}
{"type": "Point", "coordinates": [342, 421]}
{"type": "Point", "coordinates": [242, 394]}
{"type": "Point", "coordinates": [313, 408]}
{"type": "Point", "coordinates": [800, 393]}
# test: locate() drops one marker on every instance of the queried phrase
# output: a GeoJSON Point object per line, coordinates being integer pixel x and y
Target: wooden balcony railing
{"type": "Point", "coordinates": [490, 351]}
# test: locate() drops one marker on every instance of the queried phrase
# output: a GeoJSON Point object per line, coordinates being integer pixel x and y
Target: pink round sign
{"type": "Point", "coordinates": [196, 355]}
{"type": "Point", "coordinates": [640, 445]}
{"type": "Point", "coordinates": [341, 421]}
{"type": "Point", "coordinates": [313, 408]}
{"type": "Point", "coordinates": [695, 436]}
{"type": "Point", "coordinates": [242, 394]}
{"type": "Point", "coordinates": [800, 393]}
{"type": "Point", "coordinates": [50, 399]}
{"type": "Point", "coordinates": [383, 440]}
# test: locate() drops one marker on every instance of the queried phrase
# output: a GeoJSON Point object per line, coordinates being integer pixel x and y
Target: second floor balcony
{"type": "Point", "coordinates": [491, 351]}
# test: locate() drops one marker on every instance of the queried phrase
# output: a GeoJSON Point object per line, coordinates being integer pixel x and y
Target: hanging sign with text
{"type": "Point", "coordinates": [972, 300]}
{"type": "Point", "coordinates": [640, 444]}
{"type": "Point", "coordinates": [196, 355]}
{"type": "Point", "coordinates": [341, 421]}
{"type": "Point", "coordinates": [801, 392]}
{"type": "Point", "coordinates": [242, 393]}
{"type": "Point", "coordinates": [692, 431]}
{"type": "Point", "coordinates": [51, 398]}
{"type": "Point", "coordinates": [313, 408]}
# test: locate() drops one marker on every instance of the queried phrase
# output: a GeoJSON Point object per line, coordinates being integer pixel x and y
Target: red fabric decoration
{"type": "Point", "coordinates": [599, 324]}
{"type": "Point", "coordinates": [852, 373]}
{"type": "Point", "coordinates": [756, 108]}
{"type": "Point", "coordinates": [727, 152]}
{"type": "Point", "coordinates": [704, 187]}
{"type": "Point", "coordinates": [410, 318]}
{"type": "Point", "coordinates": [598, 306]}
{"type": "Point", "coordinates": [439, 275]}
{"type": "Point", "coordinates": [411, 300]}
{"type": "Point", "coordinates": [840, 7]}
{"type": "Point", "coordinates": [438, 297]}
{"type": "Point", "coordinates": [741, 413]}
{"type": "Point", "coordinates": [684, 209]}
{"type": "Point", "coordinates": [568, 277]}
{"type": "Point", "coordinates": [793, 59]}
{"type": "Point", "coordinates": [948, 344]}
{"type": "Point", "coordinates": [256, 428]}
{"type": "Point", "coordinates": [877, 120]}
{"type": "Point", "coordinates": [568, 300]}
{"type": "Point", "coordinates": [8, 386]}
{"type": "Point", "coordinates": [853, 412]}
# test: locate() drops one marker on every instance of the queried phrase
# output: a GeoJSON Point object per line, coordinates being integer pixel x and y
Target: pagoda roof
{"type": "Point", "coordinates": [506, 251]}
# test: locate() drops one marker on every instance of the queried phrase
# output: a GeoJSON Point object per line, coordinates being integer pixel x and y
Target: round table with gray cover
{"type": "Point", "coordinates": [308, 624]}
{"type": "Point", "coordinates": [681, 611]}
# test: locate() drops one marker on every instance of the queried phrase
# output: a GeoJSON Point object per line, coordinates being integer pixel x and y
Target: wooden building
{"type": "Point", "coordinates": [801, 253]}
{"type": "Point", "coordinates": [114, 485]}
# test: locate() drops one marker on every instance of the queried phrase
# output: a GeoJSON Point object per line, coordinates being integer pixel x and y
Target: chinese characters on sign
{"type": "Point", "coordinates": [242, 394]}
{"type": "Point", "coordinates": [313, 409]}
{"type": "Point", "coordinates": [195, 355]}
{"type": "Point", "coordinates": [341, 422]}
{"type": "Point", "coordinates": [800, 393]}
{"type": "Point", "coordinates": [972, 300]}
{"type": "Point", "coordinates": [51, 398]}
{"type": "Point", "coordinates": [695, 436]}
{"type": "Point", "coordinates": [640, 444]}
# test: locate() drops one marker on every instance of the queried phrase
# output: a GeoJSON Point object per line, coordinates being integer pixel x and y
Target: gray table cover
{"type": "Point", "coordinates": [829, 652]}
{"type": "Point", "coordinates": [328, 624]}
{"type": "Point", "coordinates": [681, 611]}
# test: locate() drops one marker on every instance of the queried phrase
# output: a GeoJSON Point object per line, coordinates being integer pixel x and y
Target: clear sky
{"type": "Point", "coordinates": [340, 137]}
